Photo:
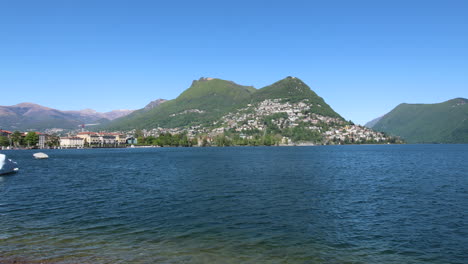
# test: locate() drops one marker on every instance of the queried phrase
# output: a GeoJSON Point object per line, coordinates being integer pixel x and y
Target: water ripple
{"type": "Point", "coordinates": [343, 204]}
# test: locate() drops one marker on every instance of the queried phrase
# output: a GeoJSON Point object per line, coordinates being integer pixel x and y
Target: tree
{"type": "Point", "coordinates": [139, 133]}
{"type": "Point", "coordinates": [54, 141]}
{"type": "Point", "coordinates": [267, 140]}
{"type": "Point", "coordinates": [16, 138]}
{"type": "Point", "coordinates": [194, 142]}
{"type": "Point", "coordinates": [31, 139]}
{"type": "Point", "coordinates": [4, 142]}
{"type": "Point", "coordinates": [150, 140]}
{"type": "Point", "coordinates": [141, 140]}
{"type": "Point", "coordinates": [205, 142]}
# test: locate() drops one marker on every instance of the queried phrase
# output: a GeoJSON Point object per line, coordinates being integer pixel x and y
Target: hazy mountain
{"type": "Point", "coordinates": [372, 123]}
{"type": "Point", "coordinates": [208, 99]}
{"type": "Point", "coordinates": [445, 122]}
{"type": "Point", "coordinates": [114, 114]}
{"type": "Point", "coordinates": [25, 116]}
{"type": "Point", "coordinates": [93, 115]}
{"type": "Point", "coordinates": [154, 103]}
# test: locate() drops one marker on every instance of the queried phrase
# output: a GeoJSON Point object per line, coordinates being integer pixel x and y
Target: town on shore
{"type": "Point", "coordinates": [270, 123]}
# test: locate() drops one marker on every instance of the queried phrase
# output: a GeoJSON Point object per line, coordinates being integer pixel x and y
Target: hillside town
{"type": "Point", "coordinates": [280, 115]}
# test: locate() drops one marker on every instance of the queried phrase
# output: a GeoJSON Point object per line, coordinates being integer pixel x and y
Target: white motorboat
{"type": "Point", "coordinates": [7, 166]}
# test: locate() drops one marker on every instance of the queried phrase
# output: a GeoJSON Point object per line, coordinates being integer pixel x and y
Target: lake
{"type": "Point", "coordinates": [321, 204]}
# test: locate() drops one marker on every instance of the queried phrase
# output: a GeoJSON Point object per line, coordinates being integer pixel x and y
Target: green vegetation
{"type": "Point", "coordinates": [167, 140]}
{"type": "Point", "coordinates": [53, 141]}
{"type": "Point", "coordinates": [203, 103]}
{"type": "Point", "coordinates": [302, 133]}
{"type": "Point", "coordinates": [16, 138]}
{"type": "Point", "coordinates": [4, 141]}
{"type": "Point", "coordinates": [445, 122]}
{"type": "Point", "coordinates": [31, 139]}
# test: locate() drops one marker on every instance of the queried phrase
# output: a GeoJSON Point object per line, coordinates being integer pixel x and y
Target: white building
{"type": "Point", "coordinates": [42, 140]}
{"type": "Point", "coordinates": [71, 142]}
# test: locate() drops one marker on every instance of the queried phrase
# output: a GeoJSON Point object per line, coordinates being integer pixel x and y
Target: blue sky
{"type": "Point", "coordinates": [363, 57]}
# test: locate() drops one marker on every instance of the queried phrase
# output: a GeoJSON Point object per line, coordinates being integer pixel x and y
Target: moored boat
{"type": "Point", "coordinates": [7, 166]}
{"type": "Point", "coordinates": [40, 155]}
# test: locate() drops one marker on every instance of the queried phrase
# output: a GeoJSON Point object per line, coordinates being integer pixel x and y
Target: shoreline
{"type": "Point", "coordinates": [280, 145]}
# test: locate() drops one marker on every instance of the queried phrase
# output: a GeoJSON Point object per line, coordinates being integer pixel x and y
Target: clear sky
{"type": "Point", "coordinates": [362, 57]}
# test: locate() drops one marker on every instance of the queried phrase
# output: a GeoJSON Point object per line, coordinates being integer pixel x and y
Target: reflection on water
{"type": "Point", "coordinates": [349, 204]}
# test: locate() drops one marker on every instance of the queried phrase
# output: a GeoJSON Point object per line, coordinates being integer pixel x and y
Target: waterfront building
{"type": "Point", "coordinates": [100, 139]}
{"type": "Point", "coordinates": [132, 141]}
{"type": "Point", "coordinates": [106, 139]}
{"type": "Point", "coordinates": [42, 140]}
{"type": "Point", "coordinates": [90, 138]}
{"type": "Point", "coordinates": [71, 142]}
{"type": "Point", "coordinates": [119, 138]}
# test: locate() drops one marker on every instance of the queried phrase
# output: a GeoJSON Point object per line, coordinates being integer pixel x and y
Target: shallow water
{"type": "Point", "coordinates": [341, 204]}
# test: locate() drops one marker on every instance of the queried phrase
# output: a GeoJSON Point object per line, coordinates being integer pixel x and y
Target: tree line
{"type": "Point", "coordinates": [30, 140]}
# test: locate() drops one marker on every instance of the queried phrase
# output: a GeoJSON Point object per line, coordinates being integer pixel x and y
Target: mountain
{"type": "Point", "coordinates": [293, 89]}
{"type": "Point", "coordinates": [445, 122]}
{"type": "Point", "coordinates": [224, 113]}
{"type": "Point", "coordinates": [26, 116]}
{"type": "Point", "coordinates": [372, 123]}
{"type": "Point", "coordinates": [205, 101]}
{"type": "Point", "coordinates": [114, 114]}
{"type": "Point", "coordinates": [208, 99]}
{"type": "Point", "coordinates": [90, 115]}
{"type": "Point", "coordinates": [154, 103]}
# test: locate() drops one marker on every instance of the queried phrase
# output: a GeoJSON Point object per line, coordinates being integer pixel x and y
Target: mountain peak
{"type": "Point", "coordinates": [287, 88]}
{"type": "Point", "coordinates": [458, 101]}
{"type": "Point", "coordinates": [87, 111]}
{"type": "Point", "coordinates": [30, 105]}
{"type": "Point", "coordinates": [290, 78]}
{"type": "Point", "coordinates": [154, 103]}
{"type": "Point", "coordinates": [206, 79]}
{"type": "Point", "coordinates": [290, 82]}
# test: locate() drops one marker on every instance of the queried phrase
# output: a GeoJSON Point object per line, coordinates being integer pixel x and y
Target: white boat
{"type": "Point", "coordinates": [7, 165]}
{"type": "Point", "coordinates": [40, 155]}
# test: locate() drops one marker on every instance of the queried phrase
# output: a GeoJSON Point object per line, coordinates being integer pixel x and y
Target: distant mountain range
{"type": "Point", "coordinates": [445, 122]}
{"type": "Point", "coordinates": [29, 116]}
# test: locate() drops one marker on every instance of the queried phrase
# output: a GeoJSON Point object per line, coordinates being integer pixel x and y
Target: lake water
{"type": "Point", "coordinates": [327, 204]}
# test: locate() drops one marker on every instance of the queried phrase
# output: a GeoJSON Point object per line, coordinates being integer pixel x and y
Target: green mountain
{"type": "Point", "coordinates": [294, 90]}
{"type": "Point", "coordinates": [445, 122]}
{"type": "Point", "coordinates": [205, 101]}
{"type": "Point", "coordinates": [209, 99]}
